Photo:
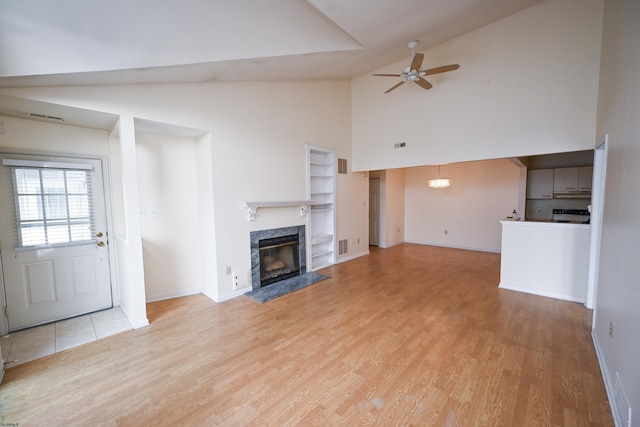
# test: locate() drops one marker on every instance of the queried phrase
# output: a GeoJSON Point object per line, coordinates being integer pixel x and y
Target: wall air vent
{"type": "Point", "coordinates": [44, 116]}
{"type": "Point", "coordinates": [343, 246]}
{"type": "Point", "coordinates": [342, 165]}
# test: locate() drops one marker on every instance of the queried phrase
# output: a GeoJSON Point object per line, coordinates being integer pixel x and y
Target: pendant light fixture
{"type": "Point", "coordinates": [439, 182]}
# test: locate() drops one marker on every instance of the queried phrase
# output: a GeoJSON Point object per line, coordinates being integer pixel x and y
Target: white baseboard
{"type": "Point", "coordinates": [352, 256]}
{"type": "Point", "coordinates": [608, 384]}
{"type": "Point", "coordinates": [234, 294]}
{"type": "Point", "coordinates": [174, 295]}
{"type": "Point", "coordinates": [135, 324]}
{"type": "Point", "coordinates": [542, 293]}
{"type": "Point", "coordinates": [467, 248]}
{"type": "Point", "coordinates": [390, 245]}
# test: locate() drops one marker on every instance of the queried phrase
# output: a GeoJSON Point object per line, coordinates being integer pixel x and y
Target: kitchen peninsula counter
{"type": "Point", "coordinates": [545, 258]}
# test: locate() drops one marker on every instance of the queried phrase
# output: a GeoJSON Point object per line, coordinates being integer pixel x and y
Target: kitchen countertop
{"type": "Point", "coordinates": [542, 223]}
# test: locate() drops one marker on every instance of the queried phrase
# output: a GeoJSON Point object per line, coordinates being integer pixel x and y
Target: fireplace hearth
{"type": "Point", "coordinates": [277, 254]}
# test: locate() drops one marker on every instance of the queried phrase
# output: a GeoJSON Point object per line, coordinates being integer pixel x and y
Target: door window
{"type": "Point", "coordinates": [53, 206]}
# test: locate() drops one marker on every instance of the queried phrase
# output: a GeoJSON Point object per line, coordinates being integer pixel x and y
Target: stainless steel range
{"type": "Point", "coordinates": [573, 216]}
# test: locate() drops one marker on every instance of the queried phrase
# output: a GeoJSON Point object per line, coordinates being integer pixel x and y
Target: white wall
{"type": "Point", "coordinates": [31, 136]}
{"type": "Point", "coordinates": [392, 201]}
{"type": "Point", "coordinates": [618, 296]}
{"type": "Point", "coordinates": [167, 180]}
{"type": "Point", "coordinates": [352, 204]}
{"type": "Point", "coordinates": [481, 194]}
{"type": "Point", "coordinates": [258, 137]}
{"type": "Point", "coordinates": [130, 262]}
{"type": "Point", "coordinates": [527, 85]}
{"type": "Point", "coordinates": [125, 228]}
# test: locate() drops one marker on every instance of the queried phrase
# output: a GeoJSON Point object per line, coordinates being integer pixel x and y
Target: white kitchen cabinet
{"type": "Point", "coordinates": [585, 178]}
{"type": "Point", "coordinates": [571, 180]}
{"type": "Point", "coordinates": [321, 189]}
{"type": "Point", "coordinates": [540, 184]}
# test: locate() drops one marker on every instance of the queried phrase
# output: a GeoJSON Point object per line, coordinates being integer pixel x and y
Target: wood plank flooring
{"type": "Point", "coordinates": [412, 335]}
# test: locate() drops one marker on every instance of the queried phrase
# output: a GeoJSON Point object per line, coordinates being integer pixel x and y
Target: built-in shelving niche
{"type": "Point", "coordinates": [321, 188]}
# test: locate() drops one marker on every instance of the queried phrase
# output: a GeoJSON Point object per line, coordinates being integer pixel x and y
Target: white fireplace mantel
{"type": "Point", "coordinates": [252, 207]}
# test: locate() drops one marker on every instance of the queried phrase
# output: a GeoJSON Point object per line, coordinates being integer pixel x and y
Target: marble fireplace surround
{"type": "Point", "coordinates": [256, 236]}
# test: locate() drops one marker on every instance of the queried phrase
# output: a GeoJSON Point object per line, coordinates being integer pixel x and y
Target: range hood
{"type": "Point", "coordinates": [573, 195]}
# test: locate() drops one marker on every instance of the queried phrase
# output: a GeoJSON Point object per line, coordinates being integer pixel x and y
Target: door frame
{"type": "Point", "coordinates": [597, 210]}
{"type": "Point", "coordinates": [106, 182]}
{"type": "Point", "coordinates": [379, 218]}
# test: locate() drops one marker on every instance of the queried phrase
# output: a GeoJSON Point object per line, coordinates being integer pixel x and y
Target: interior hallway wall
{"type": "Point", "coordinates": [618, 293]}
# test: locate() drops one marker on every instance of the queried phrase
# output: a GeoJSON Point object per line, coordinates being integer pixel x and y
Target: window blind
{"type": "Point", "coordinates": [52, 205]}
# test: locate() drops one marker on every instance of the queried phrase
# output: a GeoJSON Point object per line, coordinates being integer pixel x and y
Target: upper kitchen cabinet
{"type": "Point", "coordinates": [575, 181]}
{"type": "Point", "coordinates": [540, 184]}
{"type": "Point", "coordinates": [585, 178]}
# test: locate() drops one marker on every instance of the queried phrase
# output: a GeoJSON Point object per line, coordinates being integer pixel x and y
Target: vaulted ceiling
{"type": "Point", "coordinates": [79, 42]}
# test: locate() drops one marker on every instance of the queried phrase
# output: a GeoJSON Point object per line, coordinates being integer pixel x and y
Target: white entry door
{"type": "Point", "coordinates": [53, 238]}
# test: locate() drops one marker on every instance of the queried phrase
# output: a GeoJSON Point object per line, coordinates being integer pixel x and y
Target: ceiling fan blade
{"type": "Point", "coordinates": [395, 86]}
{"type": "Point", "coordinates": [416, 63]}
{"type": "Point", "coordinates": [442, 69]}
{"type": "Point", "coordinates": [423, 83]}
{"type": "Point", "coordinates": [388, 75]}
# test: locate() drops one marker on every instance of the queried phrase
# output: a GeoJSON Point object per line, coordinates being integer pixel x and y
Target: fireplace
{"type": "Point", "coordinates": [279, 259]}
{"type": "Point", "coordinates": [277, 254]}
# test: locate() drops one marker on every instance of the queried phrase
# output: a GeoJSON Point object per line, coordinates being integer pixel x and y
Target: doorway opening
{"type": "Point", "coordinates": [374, 211]}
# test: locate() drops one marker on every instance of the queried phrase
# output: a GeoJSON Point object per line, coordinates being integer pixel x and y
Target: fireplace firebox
{"type": "Point", "coordinates": [279, 259]}
{"type": "Point", "coordinates": [277, 254]}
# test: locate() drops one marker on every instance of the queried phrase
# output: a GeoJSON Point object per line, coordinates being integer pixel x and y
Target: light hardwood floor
{"type": "Point", "coordinates": [411, 335]}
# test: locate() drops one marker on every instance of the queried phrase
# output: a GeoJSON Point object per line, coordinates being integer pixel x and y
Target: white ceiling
{"type": "Point", "coordinates": [86, 42]}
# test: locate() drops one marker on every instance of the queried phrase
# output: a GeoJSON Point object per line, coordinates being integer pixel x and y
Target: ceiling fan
{"type": "Point", "coordinates": [415, 73]}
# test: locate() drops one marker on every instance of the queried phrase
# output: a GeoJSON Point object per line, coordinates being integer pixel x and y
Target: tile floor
{"type": "Point", "coordinates": [41, 341]}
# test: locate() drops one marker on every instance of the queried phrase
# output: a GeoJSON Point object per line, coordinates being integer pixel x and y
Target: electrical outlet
{"type": "Point", "coordinates": [241, 279]}
{"type": "Point", "coordinates": [611, 329]}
